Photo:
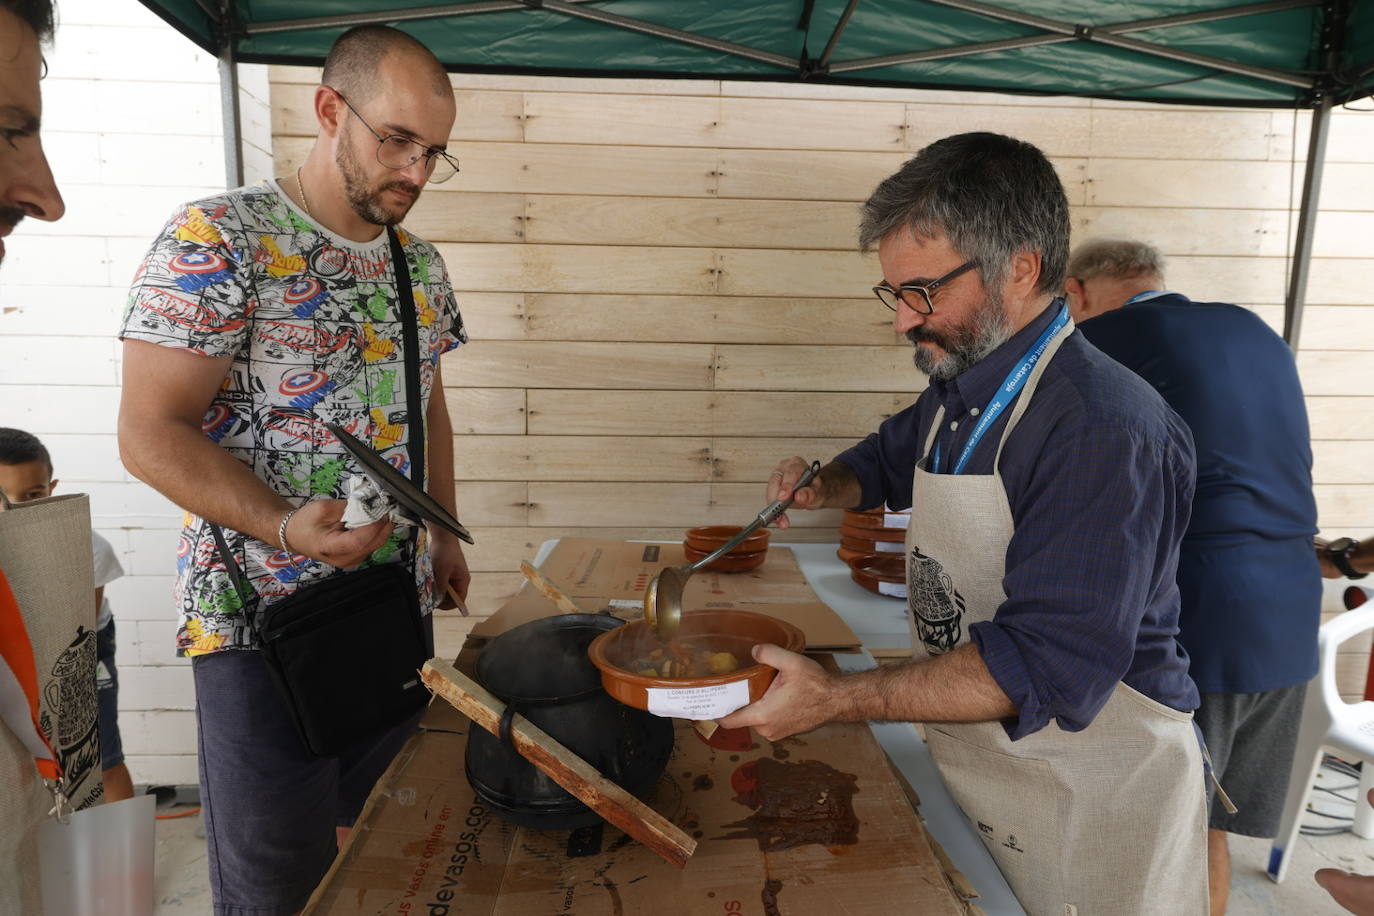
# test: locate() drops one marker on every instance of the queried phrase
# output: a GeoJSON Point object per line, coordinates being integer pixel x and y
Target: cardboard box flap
{"type": "Point", "coordinates": [611, 576]}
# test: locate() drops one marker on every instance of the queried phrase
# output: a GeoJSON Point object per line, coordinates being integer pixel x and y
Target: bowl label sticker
{"type": "Point", "coordinates": [894, 589]}
{"type": "Point", "coordinates": [699, 703]}
{"type": "Point", "coordinates": [890, 546]}
{"type": "Point", "coordinates": [896, 519]}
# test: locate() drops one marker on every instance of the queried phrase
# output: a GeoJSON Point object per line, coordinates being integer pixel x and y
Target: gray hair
{"type": "Point", "coordinates": [990, 195]}
{"type": "Point", "coordinates": [1119, 259]}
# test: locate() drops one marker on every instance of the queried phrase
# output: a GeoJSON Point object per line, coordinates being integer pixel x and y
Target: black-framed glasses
{"type": "Point", "coordinates": [919, 298]}
{"type": "Point", "coordinates": [400, 152]}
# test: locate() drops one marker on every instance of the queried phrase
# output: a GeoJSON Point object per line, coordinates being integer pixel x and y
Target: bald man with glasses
{"type": "Point", "coordinates": [259, 316]}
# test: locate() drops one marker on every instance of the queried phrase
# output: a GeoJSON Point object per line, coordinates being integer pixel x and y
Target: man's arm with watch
{"type": "Point", "coordinates": [1345, 557]}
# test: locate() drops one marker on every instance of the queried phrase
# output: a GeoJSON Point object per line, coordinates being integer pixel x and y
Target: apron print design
{"type": "Point", "coordinates": [935, 604]}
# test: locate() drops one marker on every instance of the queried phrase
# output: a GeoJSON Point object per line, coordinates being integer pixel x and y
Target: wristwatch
{"type": "Point", "coordinates": [1339, 552]}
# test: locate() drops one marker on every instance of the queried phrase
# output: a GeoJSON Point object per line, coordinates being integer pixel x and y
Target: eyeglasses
{"type": "Point", "coordinates": [399, 152]}
{"type": "Point", "coordinates": [921, 301]}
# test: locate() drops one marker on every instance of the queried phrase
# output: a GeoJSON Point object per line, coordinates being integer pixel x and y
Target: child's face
{"type": "Point", "coordinates": [23, 482]}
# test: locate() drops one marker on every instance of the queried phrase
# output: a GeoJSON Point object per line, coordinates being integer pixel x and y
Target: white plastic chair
{"type": "Point", "coordinates": [1329, 721]}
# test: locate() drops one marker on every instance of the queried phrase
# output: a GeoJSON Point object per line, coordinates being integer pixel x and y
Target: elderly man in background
{"type": "Point", "coordinates": [1049, 489]}
{"type": "Point", "coordinates": [1247, 573]}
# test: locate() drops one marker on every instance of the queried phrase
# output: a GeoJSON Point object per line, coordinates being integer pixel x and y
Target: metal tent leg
{"type": "Point", "coordinates": [233, 124]}
{"type": "Point", "coordinates": [1307, 223]}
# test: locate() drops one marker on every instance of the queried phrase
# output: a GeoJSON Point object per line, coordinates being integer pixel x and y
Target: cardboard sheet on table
{"type": "Point", "coordinates": [426, 845]}
{"type": "Point", "coordinates": [611, 575]}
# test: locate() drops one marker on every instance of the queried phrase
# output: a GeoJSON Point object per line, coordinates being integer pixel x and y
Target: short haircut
{"type": "Point", "coordinates": [39, 15]}
{"type": "Point", "coordinates": [990, 195]}
{"type": "Point", "coordinates": [353, 62]}
{"type": "Point", "coordinates": [19, 447]}
{"type": "Point", "coordinates": [1119, 259]}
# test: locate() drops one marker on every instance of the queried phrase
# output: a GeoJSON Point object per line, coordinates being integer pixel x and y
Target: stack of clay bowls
{"type": "Point", "coordinates": [872, 544]}
{"type": "Point", "coordinates": [867, 532]}
{"type": "Point", "coordinates": [748, 554]}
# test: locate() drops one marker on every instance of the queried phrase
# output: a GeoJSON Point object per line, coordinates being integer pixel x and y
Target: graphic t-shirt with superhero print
{"type": "Point", "coordinates": [312, 322]}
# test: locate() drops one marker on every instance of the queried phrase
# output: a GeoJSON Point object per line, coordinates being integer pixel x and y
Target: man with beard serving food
{"type": "Point", "coordinates": [258, 316]}
{"type": "Point", "coordinates": [1049, 490]}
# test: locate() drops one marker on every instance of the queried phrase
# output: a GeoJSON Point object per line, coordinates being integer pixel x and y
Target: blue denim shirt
{"type": "Point", "coordinates": [1099, 474]}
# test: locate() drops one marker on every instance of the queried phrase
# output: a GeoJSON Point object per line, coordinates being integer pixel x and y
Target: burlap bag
{"type": "Point", "coordinates": [45, 552]}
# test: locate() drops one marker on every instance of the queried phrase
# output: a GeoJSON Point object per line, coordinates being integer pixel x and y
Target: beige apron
{"type": "Point", "coordinates": [1110, 820]}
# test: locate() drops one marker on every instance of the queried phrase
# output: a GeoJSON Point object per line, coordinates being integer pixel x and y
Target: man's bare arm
{"type": "Point", "coordinates": [956, 687]}
{"type": "Point", "coordinates": [446, 551]}
{"type": "Point", "coordinates": [166, 393]}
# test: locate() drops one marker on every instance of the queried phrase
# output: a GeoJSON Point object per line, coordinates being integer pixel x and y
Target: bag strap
{"type": "Point", "coordinates": [415, 414]}
{"type": "Point", "coordinates": [241, 588]}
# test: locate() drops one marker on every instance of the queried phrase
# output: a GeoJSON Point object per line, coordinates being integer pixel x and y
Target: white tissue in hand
{"type": "Point", "coordinates": [367, 504]}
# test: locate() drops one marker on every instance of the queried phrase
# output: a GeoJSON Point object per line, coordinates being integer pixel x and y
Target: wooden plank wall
{"type": "Point", "coordinates": [664, 297]}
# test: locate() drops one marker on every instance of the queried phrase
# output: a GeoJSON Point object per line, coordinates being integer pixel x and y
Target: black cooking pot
{"type": "Point", "coordinates": [541, 669]}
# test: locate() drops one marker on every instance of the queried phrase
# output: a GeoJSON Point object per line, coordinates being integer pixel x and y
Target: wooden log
{"type": "Point", "coordinates": [562, 766]}
{"type": "Point", "coordinates": [550, 591]}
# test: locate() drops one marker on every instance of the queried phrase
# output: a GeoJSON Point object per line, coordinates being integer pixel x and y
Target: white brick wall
{"type": "Point", "coordinates": [132, 128]}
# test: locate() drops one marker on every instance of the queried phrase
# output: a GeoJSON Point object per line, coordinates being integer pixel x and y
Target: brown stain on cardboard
{"type": "Point", "coordinates": [771, 888]}
{"type": "Point", "coordinates": [702, 783]}
{"type": "Point", "coordinates": [780, 751]}
{"type": "Point", "coordinates": [795, 804]}
{"type": "Point", "coordinates": [617, 905]}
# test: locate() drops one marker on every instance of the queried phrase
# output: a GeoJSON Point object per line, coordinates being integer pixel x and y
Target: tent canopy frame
{"type": "Point", "coordinates": [1317, 89]}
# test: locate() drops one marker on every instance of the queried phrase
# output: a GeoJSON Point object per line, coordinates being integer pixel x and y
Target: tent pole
{"type": "Point", "coordinates": [1307, 222]}
{"type": "Point", "coordinates": [1331, 41]}
{"type": "Point", "coordinates": [233, 127]}
{"type": "Point", "coordinates": [835, 35]}
{"type": "Point", "coordinates": [229, 100]}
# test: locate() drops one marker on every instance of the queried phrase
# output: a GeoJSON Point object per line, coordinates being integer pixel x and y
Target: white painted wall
{"type": "Point", "coordinates": [131, 124]}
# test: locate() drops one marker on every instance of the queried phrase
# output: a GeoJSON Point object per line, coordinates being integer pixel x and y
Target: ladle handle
{"type": "Point", "coordinates": [770, 512]}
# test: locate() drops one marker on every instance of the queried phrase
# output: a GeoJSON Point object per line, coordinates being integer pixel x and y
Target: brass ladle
{"type": "Point", "coordinates": [663, 597]}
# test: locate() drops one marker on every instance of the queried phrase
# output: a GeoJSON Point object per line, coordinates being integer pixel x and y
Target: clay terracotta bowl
{"type": "Point", "coordinates": [726, 631]}
{"type": "Point", "coordinates": [867, 520]}
{"type": "Point", "coordinates": [709, 538]}
{"type": "Point", "coordinates": [845, 554]}
{"type": "Point", "coordinates": [870, 545]}
{"type": "Point", "coordinates": [732, 562]}
{"type": "Point", "coordinates": [870, 569]}
{"type": "Point", "coordinates": [874, 534]}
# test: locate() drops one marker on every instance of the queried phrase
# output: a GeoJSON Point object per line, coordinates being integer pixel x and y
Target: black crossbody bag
{"type": "Point", "coordinates": [345, 652]}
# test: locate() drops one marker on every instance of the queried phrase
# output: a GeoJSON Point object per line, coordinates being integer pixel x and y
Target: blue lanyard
{"type": "Point", "coordinates": [1011, 387]}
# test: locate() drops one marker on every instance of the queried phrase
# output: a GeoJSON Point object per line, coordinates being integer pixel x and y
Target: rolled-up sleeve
{"type": "Point", "coordinates": [1095, 541]}
{"type": "Point", "coordinates": [884, 461]}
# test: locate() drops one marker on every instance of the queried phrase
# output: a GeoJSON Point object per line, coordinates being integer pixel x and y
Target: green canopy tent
{"type": "Point", "coordinates": [1311, 54]}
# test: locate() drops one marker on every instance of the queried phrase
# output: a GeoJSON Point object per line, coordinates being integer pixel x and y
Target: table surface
{"type": "Point", "coordinates": [880, 624]}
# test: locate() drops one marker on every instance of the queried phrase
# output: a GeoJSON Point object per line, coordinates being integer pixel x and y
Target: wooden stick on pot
{"type": "Point", "coordinates": [562, 765]}
{"type": "Point", "coordinates": [549, 590]}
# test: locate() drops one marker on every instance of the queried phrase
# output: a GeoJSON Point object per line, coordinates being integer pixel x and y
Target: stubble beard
{"type": "Point", "coordinates": [365, 201]}
{"type": "Point", "coordinates": [963, 346]}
